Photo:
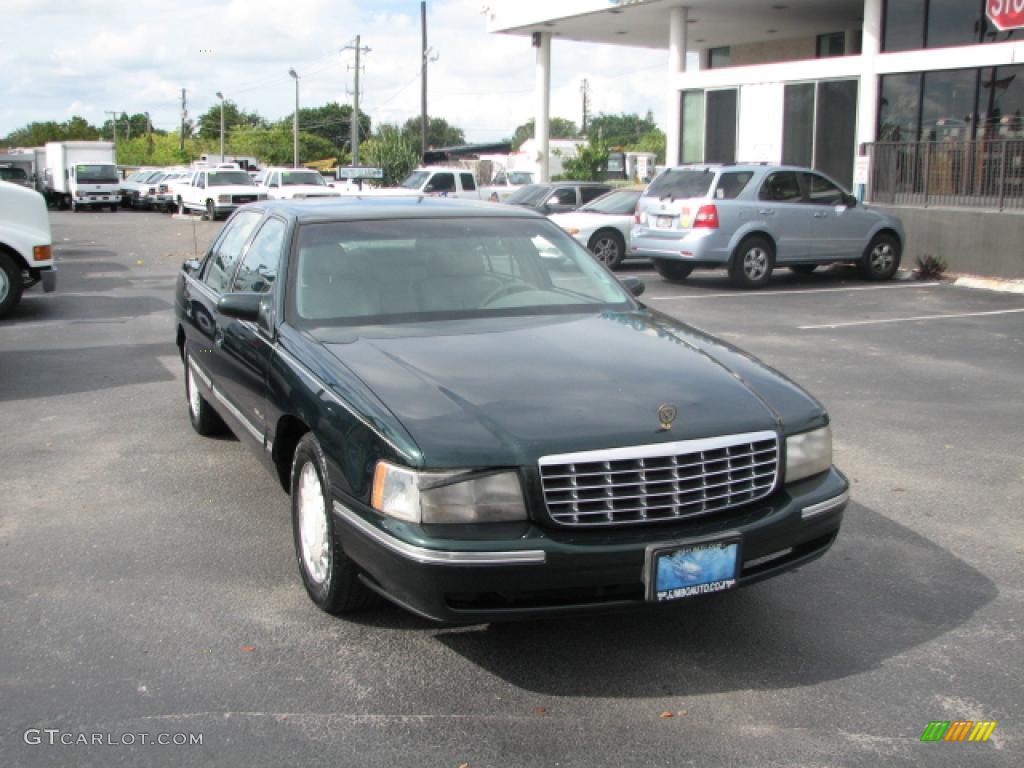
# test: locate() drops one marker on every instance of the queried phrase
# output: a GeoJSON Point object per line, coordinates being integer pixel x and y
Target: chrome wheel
{"type": "Point", "coordinates": [881, 258]}
{"type": "Point", "coordinates": [5, 286]}
{"type": "Point", "coordinates": [606, 249]}
{"type": "Point", "coordinates": [755, 263]}
{"type": "Point", "coordinates": [313, 533]}
{"type": "Point", "coordinates": [194, 401]}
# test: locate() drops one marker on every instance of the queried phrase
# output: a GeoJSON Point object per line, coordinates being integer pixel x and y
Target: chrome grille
{"type": "Point", "coordinates": [243, 198]}
{"type": "Point", "coordinates": [667, 481]}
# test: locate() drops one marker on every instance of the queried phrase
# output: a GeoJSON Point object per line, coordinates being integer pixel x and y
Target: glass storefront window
{"type": "Point", "coordinates": [835, 129]}
{"type": "Point", "coordinates": [719, 57]}
{"type": "Point", "coordinates": [798, 125]}
{"type": "Point", "coordinates": [1001, 103]}
{"type": "Point", "coordinates": [954, 22]}
{"type": "Point", "coordinates": [904, 25]}
{"type": "Point", "coordinates": [693, 127]}
{"type": "Point", "coordinates": [948, 105]}
{"type": "Point", "coordinates": [720, 126]}
{"type": "Point", "coordinates": [832, 44]}
{"type": "Point", "coordinates": [899, 107]}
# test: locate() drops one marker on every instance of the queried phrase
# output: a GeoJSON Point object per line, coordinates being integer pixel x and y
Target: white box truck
{"type": "Point", "coordinates": [26, 246]}
{"type": "Point", "coordinates": [82, 174]}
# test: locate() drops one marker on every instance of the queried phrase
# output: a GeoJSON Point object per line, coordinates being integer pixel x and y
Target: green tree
{"type": "Point", "coordinates": [136, 151]}
{"type": "Point", "coordinates": [558, 128]}
{"type": "Point", "coordinates": [209, 121]}
{"type": "Point", "coordinates": [332, 121]}
{"type": "Point", "coordinates": [38, 133]}
{"type": "Point", "coordinates": [390, 150]}
{"type": "Point", "coordinates": [622, 129]}
{"type": "Point", "coordinates": [652, 141]}
{"type": "Point", "coordinates": [591, 158]}
{"type": "Point", "coordinates": [274, 146]}
{"type": "Point", "coordinates": [440, 133]}
{"type": "Point", "coordinates": [128, 127]}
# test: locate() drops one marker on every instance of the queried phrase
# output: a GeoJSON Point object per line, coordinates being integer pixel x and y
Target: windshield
{"type": "Point", "coordinates": [620, 203]}
{"type": "Point", "coordinates": [97, 174]}
{"type": "Point", "coordinates": [681, 184]}
{"type": "Point", "coordinates": [296, 178]}
{"type": "Point", "coordinates": [400, 271]}
{"type": "Point", "coordinates": [519, 177]}
{"type": "Point", "coordinates": [227, 178]}
{"type": "Point", "coordinates": [533, 194]}
{"type": "Point", "coordinates": [13, 174]}
{"type": "Point", "coordinates": [415, 180]}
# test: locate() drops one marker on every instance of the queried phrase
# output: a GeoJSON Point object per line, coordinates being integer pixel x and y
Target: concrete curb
{"type": "Point", "coordinates": [186, 217]}
{"type": "Point", "coordinates": [990, 284]}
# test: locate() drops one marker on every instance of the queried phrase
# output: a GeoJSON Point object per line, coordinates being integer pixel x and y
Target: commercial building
{"type": "Point", "coordinates": [929, 94]}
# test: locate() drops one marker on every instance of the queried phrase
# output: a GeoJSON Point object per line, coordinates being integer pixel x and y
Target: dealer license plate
{"type": "Point", "coordinates": [688, 570]}
{"type": "Point", "coordinates": [666, 222]}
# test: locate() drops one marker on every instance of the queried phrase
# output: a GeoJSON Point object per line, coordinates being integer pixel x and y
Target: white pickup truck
{"type": "Point", "coordinates": [432, 181]}
{"type": "Point", "coordinates": [293, 184]}
{"type": "Point", "coordinates": [26, 247]}
{"type": "Point", "coordinates": [504, 184]}
{"type": "Point", "coordinates": [217, 192]}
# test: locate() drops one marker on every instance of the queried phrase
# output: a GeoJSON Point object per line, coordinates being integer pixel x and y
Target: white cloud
{"type": "Point", "coordinates": [136, 57]}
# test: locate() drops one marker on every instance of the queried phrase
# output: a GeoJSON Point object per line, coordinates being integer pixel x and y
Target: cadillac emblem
{"type": "Point", "coordinates": [666, 415]}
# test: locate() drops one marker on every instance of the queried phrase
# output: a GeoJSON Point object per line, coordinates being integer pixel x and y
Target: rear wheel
{"type": "Point", "coordinates": [803, 269]}
{"type": "Point", "coordinates": [181, 207]}
{"type": "Point", "coordinates": [609, 247]}
{"type": "Point", "coordinates": [11, 284]}
{"type": "Point", "coordinates": [74, 206]}
{"type": "Point", "coordinates": [330, 577]}
{"type": "Point", "coordinates": [881, 258]}
{"type": "Point", "coordinates": [211, 211]}
{"type": "Point", "coordinates": [752, 263]}
{"type": "Point", "coordinates": [673, 271]}
{"type": "Point", "coordinates": [204, 419]}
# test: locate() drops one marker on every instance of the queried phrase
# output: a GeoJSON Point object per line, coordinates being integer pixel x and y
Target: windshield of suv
{"type": "Point", "coordinates": [533, 194]}
{"type": "Point", "coordinates": [400, 271]}
{"type": "Point", "coordinates": [621, 202]}
{"type": "Point", "coordinates": [681, 184]}
{"type": "Point", "coordinates": [97, 174]}
{"type": "Point", "coordinates": [519, 177]}
{"type": "Point", "coordinates": [415, 180]}
{"type": "Point", "coordinates": [297, 178]}
{"type": "Point", "coordinates": [227, 178]}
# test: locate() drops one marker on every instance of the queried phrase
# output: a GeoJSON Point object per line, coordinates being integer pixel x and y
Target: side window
{"type": "Point", "coordinates": [468, 182]}
{"type": "Point", "coordinates": [731, 184]}
{"type": "Point", "coordinates": [592, 193]}
{"type": "Point", "coordinates": [258, 269]}
{"type": "Point", "coordinates": [564, 196]}
{"type": "Point", "coordinates": [781, 187]}
{"type": "Point", "coordinates": [228, 249]}
{"type": "Point", "coordinates": [275, 179]}
{"type": "Point", "coordinates": [499, 180]}
{"type": "Point", "coordinates": [442, 182]}
{"type": "Point", "coordinates": [201, 181]}
{"type": "Point", "coordinates": [821, 191]}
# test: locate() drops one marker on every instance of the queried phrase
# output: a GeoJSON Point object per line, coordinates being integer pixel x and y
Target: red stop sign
{"type": "Point", "coordinates": [1006, 14]}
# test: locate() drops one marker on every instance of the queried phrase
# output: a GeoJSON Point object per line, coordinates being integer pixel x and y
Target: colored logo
{"type": "Point", "coordinates": [958, 730]}
{"type": "Point", "coordinates": [666, 415]}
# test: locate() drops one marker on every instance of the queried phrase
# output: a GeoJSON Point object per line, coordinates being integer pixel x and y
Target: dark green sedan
{"type": "Point", "coordinates": [477, 421]}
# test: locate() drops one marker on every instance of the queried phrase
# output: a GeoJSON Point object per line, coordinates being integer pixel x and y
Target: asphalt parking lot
{"type": "Point", "coordinates": [149, 585]}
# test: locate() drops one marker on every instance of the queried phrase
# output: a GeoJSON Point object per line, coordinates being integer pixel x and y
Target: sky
{"type": "Point", "coordinates": [84, 57]}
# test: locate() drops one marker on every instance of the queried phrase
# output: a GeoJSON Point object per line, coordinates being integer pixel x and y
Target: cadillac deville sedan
{"type": "Point", "coordinates": [477, 421]}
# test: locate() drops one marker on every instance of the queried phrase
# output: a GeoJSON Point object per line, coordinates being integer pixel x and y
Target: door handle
{"type": "Point", "coordinates": [766, 212]}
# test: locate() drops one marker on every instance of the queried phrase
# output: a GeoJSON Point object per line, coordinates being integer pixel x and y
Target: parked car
{"type": "Point", "coordinates": [504, 184]}
{"type": "Point", "coordinates": [293, 184]}
{"type": "Point", "coordinates": [214, 192]}
{"type": "Point", "coordinates": [26, 246]}
{"type": "Point", "coordinates": [135, 189]}
{"type": "Point", "coordinates": [594, 454]}
{"type": "Point", "coordinates": [603, 225]}
{"type": "Point", "coordinates": [432, 181]}
{"type": "Point", "coordinates": [15, 175]}
{"type": "Point", "coordinates": [753, 218]}
{"type": "Point", "coordinates": [557, 197]}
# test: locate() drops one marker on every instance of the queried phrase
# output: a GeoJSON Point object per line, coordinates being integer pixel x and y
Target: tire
{"type": "Point", "coordinates": [802, 269]}
{"type": "Point", "coordinates": [673, 271]}
{"type": "Point", "coordinates": [204, 419]}
{"type": "Point", "coordinates": [881, 258]}
{"type": "Point", "coordinates": [752, 264]}
{"type": "Point", "coordinates": [211, 211]}
{"type": "Point", "coordinates": [608, 247]}
{"type": "Point", "coordinates": [11, 284]}
{"type": "Point", "coordinates": [113, 208]}
{"type": "Point", "coordinates": [74, 206]}
{"type": "Point", "coordinates": [330, 577]}
{"type": "Point", "coordinates": [181, 207]}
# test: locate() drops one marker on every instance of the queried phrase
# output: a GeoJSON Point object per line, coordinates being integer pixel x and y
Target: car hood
{"type": "Point", "coordinates": [233, 189]}
{"type": "Point", "coordinates": [506, 391]}
{"type": "Point", "coordinates": [309, 190]}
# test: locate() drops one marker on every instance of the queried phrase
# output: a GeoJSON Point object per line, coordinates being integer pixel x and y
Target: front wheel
{"type": "Point", "coordinates": [11, 284]}
{"type": "Point", "coordinates": [881, 258]}
{"type": "Point", "coordinates": [752, 263]}
{"type": "Point", "coordinates": [211, 211]}
{"type": "Point", "coordinates": [673, 271]}
{"type": "Point", "coordinates": [608, 247]}
{"type": "Point", "coordinates": [330, 577]}
{"type": "Point", "coordinates": [181, 207]}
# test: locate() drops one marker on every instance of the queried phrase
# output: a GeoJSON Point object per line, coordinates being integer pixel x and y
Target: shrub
{"type": "Point", "coordinates": [930, 267]}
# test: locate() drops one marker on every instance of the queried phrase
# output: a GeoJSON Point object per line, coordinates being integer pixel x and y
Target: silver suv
{"type": "Point", "coordinates": [752, 218]}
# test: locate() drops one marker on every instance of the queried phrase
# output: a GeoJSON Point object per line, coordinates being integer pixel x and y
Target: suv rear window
{"type": "Point", "coordinates": [681, 184]}
{"type": "Point", "coordinates": [731, 184]}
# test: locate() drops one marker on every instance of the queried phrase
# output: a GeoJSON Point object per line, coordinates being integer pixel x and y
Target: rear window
{"type": "Point", "coordinates": [681, 184]}
{"type": "Point", "coordinates": [731, 184]}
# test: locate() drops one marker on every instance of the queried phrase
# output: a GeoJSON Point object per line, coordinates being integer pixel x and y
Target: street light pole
{"type": "Point", "coordinates": [295, 120]}
{"type": "Point", "coordinates": [221, 97]}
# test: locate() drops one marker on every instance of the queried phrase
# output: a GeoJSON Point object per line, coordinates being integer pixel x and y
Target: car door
{"type": "Point", "coordinates": [781, 210]}
{"type": "Point", "coordinates": [841, 230]}
{"type": "Point", "coordinates": [561, 200]}
{"type": "Point", "coordinates": [202, 291]}
{"type": "Point", "coordinates": [441, 185]}
{"type": "Point", "coordinates": [246, 347]}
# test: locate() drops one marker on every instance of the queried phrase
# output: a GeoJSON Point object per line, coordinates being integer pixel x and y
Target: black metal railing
{"type": "Point", "coordinates": [982, 173]}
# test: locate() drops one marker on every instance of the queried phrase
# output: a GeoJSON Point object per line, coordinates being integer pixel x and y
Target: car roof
{"type": "Point", "coordinates": [572, 183]}
{"type": "Point", "coordinates": [712, 167]}
{"type": "Point", "coordinates": [357, 207]}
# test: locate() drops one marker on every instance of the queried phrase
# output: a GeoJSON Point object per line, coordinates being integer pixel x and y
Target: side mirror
{"type": "Point", "coordinates": [191, 266]}
{"type": "Point", "coordinates": [634, 285]}
{"type": "Point", "coordinates": [241, 306]}
{"type": "Point", "coordinates": [850, 201]}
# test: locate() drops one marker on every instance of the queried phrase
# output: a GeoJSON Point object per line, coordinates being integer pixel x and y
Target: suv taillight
{"type": "Point", "coordinates": [636, 214]}
{"type": "Point", "coordinates": [706, 218]}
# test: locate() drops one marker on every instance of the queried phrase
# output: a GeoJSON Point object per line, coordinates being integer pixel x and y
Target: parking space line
{"type": "Point", "coordinates": [754, 294]}
{"type": "Point", "coordinates": [911, 319]}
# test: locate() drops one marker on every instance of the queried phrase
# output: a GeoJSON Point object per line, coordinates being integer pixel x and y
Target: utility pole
{"type": "Point", "coordinates": [295, 120]}
{"type": "Point", "coordinates": [423, 81]}
{"type": "Point", "coordinates": [149, 134]}
{"type": "Point", "coordinates": [359, 49]}
{"type": "Point", "coordinates": [184, 114]}
{"type": "Point", "coordinates": [221, 97]}
{"type": "Point", "coordinates": [113, 123]}
{"type": "Point", "coordinates": [585, 90]}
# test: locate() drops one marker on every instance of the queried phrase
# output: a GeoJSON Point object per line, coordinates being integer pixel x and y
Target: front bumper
{"type": "Point", "coordinates": [454, 574]}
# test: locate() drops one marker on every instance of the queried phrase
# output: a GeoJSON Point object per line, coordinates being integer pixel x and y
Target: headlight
{"type": "Point", "coordinates": [223, 198]}
{"type": "Point", "coordinates": [808, 454]}
{"type": "Point", "coordinates": [442, 497]}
